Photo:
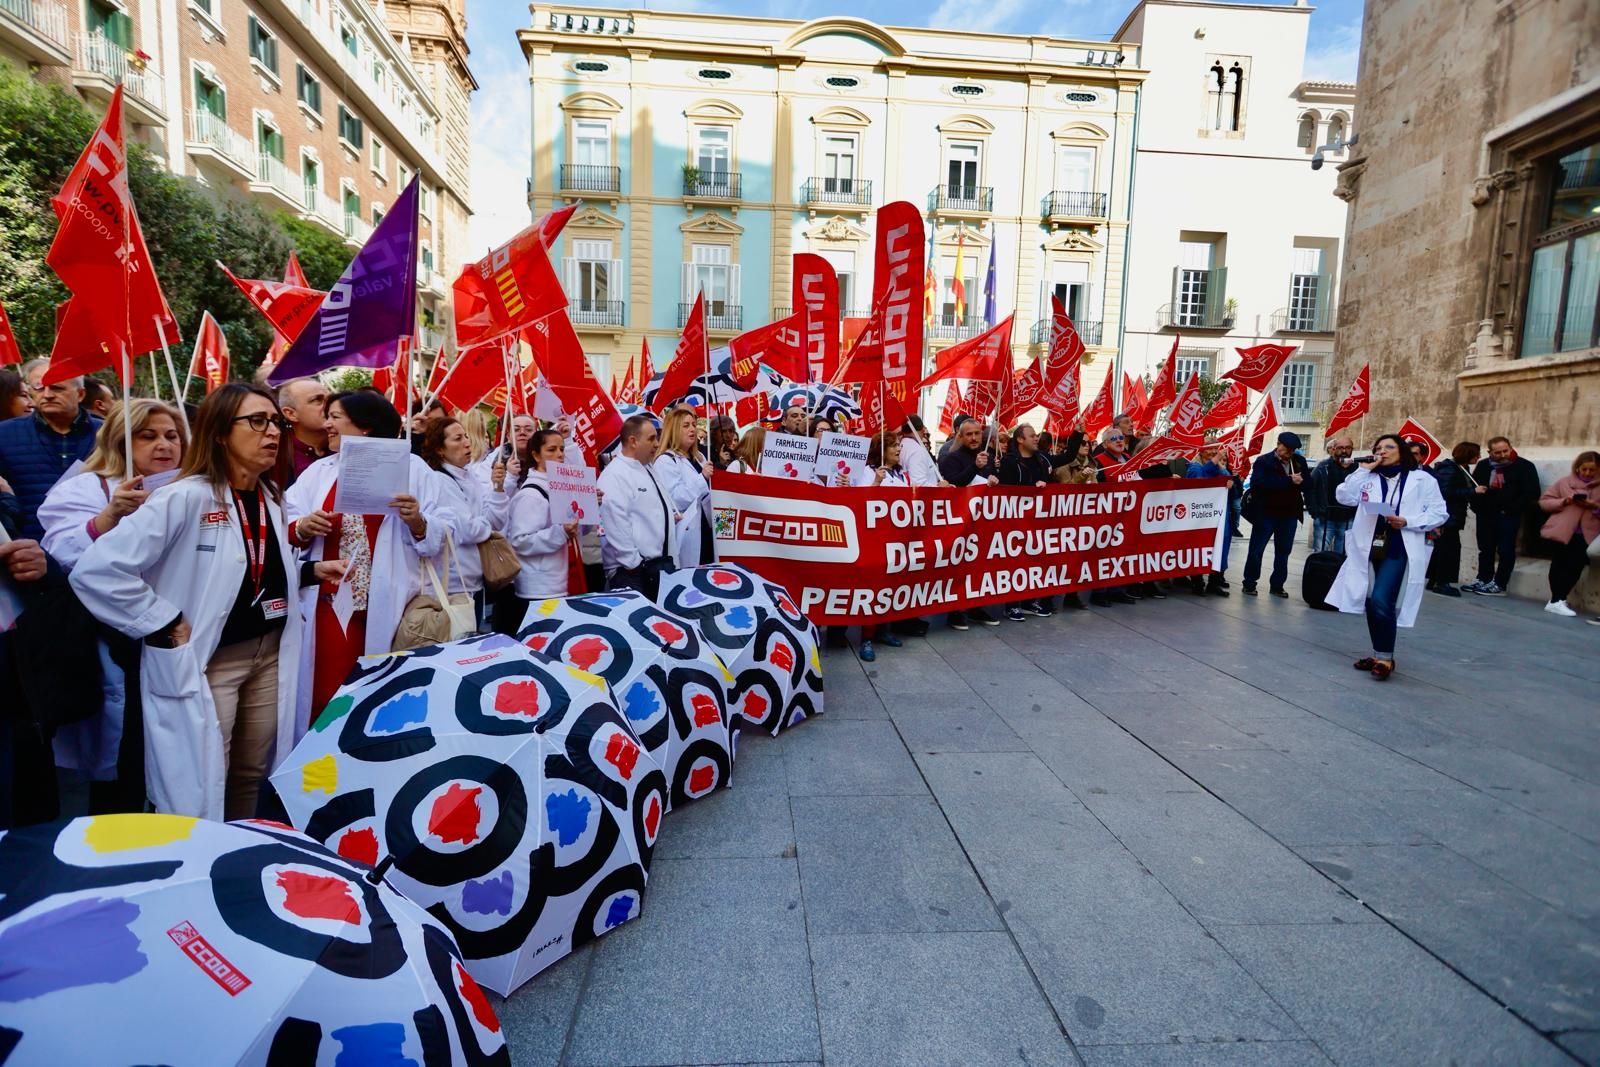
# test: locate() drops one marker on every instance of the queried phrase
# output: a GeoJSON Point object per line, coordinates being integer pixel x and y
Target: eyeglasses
{"type": "Point", "coordinates": [261, 420]}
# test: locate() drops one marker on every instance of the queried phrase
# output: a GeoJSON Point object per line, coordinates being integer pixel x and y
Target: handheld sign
{"type": "Point", "coordinates": [790, 456]}
{"type": "Point", "coordinates": [573, 497]}
{"type": "Point", "coordinates": [842, 453]}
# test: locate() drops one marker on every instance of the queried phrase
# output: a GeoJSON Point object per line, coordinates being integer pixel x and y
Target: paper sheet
{"type": "Point", "coordinates": [344, 602]}
{"type": "Point", "coordinates": [10, 599]}
{"type": "Point", "coordinates": [155, 481]}
{"type": "Point", "coordinates": [372, 472]}
{"type": "Point", "coordinates": [1377, 507]}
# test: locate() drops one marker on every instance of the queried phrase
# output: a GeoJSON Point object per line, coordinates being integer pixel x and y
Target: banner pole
{"type": "Point", "coordinates": [155, 377]}
{"type": "Point", "coordinates": [166, 351]}
{"type": "Point", "coordinates": [410, 385]}
{"type": "Point", "coordinates": [127, 421]}
{"type": "Point", "coordinates": [428, 398]}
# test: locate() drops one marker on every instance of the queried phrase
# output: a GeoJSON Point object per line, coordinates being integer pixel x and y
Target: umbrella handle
{"type": "Point", "coordinates": [381, 869]}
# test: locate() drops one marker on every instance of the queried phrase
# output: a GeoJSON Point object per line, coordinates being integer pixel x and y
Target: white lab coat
{"type": "Point", "coordinates": [919, 466]}
{"type": "Point", "coordinates": [473, 510]}
{"type": "Point", "coordinates": [637, 522]}
{"type": "Point", "coordinates": [686, 489]}
{"type": "Point", "coordinates": [396, 561]}
{"type": "Point", "coordinates": [1422, 506]}
{"type": "Point", "coordinates": [183, 551]}
{"type": "Point", "coordinates": [540, 542]}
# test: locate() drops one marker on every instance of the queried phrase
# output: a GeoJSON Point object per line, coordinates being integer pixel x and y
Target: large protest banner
{"type": "Point", "coordinates": [874, 555]}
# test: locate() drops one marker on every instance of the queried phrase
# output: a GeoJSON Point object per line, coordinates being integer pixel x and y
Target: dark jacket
{"type": "Point", "coordinates": [1272, 491]}
{"type": "Point", "coordinates": [1456, 489]}
{"type": "Point", "coordinates": [1519, 491]}
{"type": "Point", "coordinates": [1017, 469]}
{"type": "Point", "coordinates": [33, 457]}
{"type": "Point", "coordinates": [960, 465]}
{"type": "Point", "coordinates": [1325, 478]}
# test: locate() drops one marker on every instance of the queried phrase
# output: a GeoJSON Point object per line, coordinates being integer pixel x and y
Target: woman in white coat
{"type": "Point", "coordinates": [473, 511]}
{"type": "Point", "coordinates": [108, 749]}
{"type": "Point", "coordinates": [543, 545]}
{"type": "Point", "coordinates": [1389, 588]}
{"type": "Point", "coordinates": [202, 573]}
{"type": "Point", "coordinates": [385, 552]}
{"type": "Point", "coordinates": [685, 476]}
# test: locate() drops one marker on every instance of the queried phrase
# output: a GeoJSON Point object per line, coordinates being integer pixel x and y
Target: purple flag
{"type": "Point", "coordinates": [370, 308]}
{"type": "Point", "coordinates": [988, 289]}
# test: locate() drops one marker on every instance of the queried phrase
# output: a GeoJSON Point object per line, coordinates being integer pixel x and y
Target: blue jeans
{"type": "Point", "coordinates": [1327, 535]}
{"type": "Point", "coordinates": [1281, 533]}
{"type": "Point", "coordinates": [1384, 600]}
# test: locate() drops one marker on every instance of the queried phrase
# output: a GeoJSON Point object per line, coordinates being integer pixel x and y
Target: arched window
{"type": "Point", "coordinates": [1336, 133]}
{"type": "Point", "coordinates": [1216, 78]}
{"type": "Point", "coordinates": [1308, 131]}
{"type": "Point", "coordinates": [1225, 89]}
{"type": "Point", "coordinates": [1236, 105]}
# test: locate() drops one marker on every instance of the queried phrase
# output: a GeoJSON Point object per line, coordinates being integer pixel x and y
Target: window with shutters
{"type": "Point", "coordinates": [209, 96]}
{"type": "Point", "coordinates": [269, 140]}
{"type": "Point", "coordinates": [1297, 389]}
{"type": "Point", "coordinates": [711, 271]}
{"type": "Point", "coordinates": [352, 207]}
{"type": "Point", "coordinates": [380, 160]}
{"type": "Point", "coordinates": [308, 89]}
{"type": "Point", "coordinates": [1308, 291]}
{"type": "Point", "coordinates": [311, 180]}
{"type": "Point", "coordinates": [838, 164]}
{"type": "Point", "coordinates": [351, 130]}
{"type": "Point", "coordinates": [263, 45]}
{"type": "Point", "coordinates": [1187, 367]}
{"type": "Point", "coordinates": [591, 142]}
{"type": "Point", "coordinates": [593, 281]}
{"type": "Point", "coordinates": [962, 159]}
{"type": "Point", "coordinates": [1563, 300]}
{"type": "Point", "coordinates": [109, 21]}
{"type": "Point", "coordinates": [377, 215]}
{"type": "Point", "coordinates": [1194, 282]}
{"type": "Point", "coordinates": [713, 158]}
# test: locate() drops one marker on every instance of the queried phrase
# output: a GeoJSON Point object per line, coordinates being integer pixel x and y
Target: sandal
{"type": "Point", "coordinates": [1366, 663]}
{"type": "Point", "coordinates": [1381, 669]}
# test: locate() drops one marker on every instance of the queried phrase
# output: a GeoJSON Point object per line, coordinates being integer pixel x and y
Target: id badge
{"type": "Point", "coordinates": [276, 608]}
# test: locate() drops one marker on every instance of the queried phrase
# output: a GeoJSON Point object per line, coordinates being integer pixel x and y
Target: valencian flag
{"type": "Point", "coordinates": [292, 275]}
{"type": "Point", "coordinates": [1353, 406]}
{"type": "Point", "coordinates": [780, 345]}
{"type": "Point", "coordinates": [370, 309]}
{"type": "Point", "coordinates": [1229, 406]}
{"type": "Point", "coordinates": [99, 253]}
{"type": "Point", "coordinates": [1097, 416]}
{"type": "Point", "coordinates": [287, 305]}
{"type": "Point", "coordinates": [1266, 420]}
{"type": "Point", "coordinates": [816, 293]}
{"type": "Point", "coordinates": [210, 360]}
{"type": "Point", "coordinates": [953, 402]}
{"type": "Point", "coordinates": [1188, 412]}
{"type": "Point", "coordinates": [984, 358]}
{"type": "Point", "coordinates": [511, 288]}
{"type": "Point", "coordinates": [690, 360]}
{"type": "Point", "coordinates": [1412, 430]}
{"type": "Point", "coordinates": [1259, 365]}
{"type": "Point", "coordinates": [9, 352]}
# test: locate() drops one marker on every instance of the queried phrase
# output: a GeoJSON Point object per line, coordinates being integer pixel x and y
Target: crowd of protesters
{"type": "Point", "coordinates": [206, 576]}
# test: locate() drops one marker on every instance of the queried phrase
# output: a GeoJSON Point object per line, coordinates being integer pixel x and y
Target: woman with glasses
{"type": "Point", "coordinates": [385, 552]}
{"type": "Point", "coordinates": [474, 512]}
{"type": "Point", "coordinates": [1387, 548]}
{"type": "Point", "coordinates": [202, 573]}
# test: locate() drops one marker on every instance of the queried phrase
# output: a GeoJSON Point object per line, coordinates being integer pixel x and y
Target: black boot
{"type": "Point", "coordinates": [1216, 586]}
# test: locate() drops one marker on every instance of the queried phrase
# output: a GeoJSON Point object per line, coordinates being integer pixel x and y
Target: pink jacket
{"type": "Point", "coordinates": [1564, 518]}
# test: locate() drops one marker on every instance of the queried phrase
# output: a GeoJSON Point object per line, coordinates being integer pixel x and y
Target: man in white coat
{"type": "Point", "coordinates": [639, 522]}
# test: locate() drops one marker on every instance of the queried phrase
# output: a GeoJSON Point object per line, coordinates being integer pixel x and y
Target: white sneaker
{"type": "Point", "coordinates": [1559, 607]}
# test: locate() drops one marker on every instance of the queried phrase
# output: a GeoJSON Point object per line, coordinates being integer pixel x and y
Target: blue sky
{"type": "Point", "coordinates": [500, 108]}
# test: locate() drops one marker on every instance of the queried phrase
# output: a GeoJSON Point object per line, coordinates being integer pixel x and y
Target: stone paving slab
{"type": "Point", "coordinates": [1216, 1054]}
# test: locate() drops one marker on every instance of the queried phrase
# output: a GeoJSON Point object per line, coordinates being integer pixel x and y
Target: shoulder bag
{"type": "Point", "coordinates": [434, 616]}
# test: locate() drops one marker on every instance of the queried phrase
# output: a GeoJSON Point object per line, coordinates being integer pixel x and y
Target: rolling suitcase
{"type": "Point", "coordinates": [1320, 571]}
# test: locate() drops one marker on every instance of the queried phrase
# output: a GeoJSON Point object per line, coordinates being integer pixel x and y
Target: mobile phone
{"type": "Point", "coordinates": [1580, 496]}
{"type": "Point", "coordinates": [1363, 459]}
{"type": "Point", "coordinates": [505, 451]}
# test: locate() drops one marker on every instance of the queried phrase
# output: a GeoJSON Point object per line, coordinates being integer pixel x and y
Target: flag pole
{"type": "Point", "coordinates": [410, 384]}
{"type": "Point", "coordinates": [127, 419]}
{"type": "Point", "coordinates": [155, 377]}
{"type": "Point", "coordinates": [179, 394]}
{"type": "Point", "coordinates": [428, 398]}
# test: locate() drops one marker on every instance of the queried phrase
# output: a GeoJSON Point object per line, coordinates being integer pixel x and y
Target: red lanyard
{"type": "Point", "coordinates": [255, 540]}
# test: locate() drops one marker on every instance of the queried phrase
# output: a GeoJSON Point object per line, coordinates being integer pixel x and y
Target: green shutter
{"type": "Point", "coordinates": [1216, 295]}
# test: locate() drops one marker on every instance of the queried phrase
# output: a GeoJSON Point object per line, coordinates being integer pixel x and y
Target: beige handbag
{"type": "Point", "coordinates": [434, 616]}
{"type": "Point", "coordinates": [500, 563]}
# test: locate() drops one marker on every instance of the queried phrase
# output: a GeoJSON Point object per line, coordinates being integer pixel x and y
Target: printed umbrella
{"type": "Point", "coordinates": [719, 386]}
{"type": "Point", "coordinates": [755, 626]}
{"type": "Point", "coordinates": [830, 402]}
{"type": "Point", "coordinates": [169, 939]}
{"type": "Point", "coordinates": [508, 793]}
{"type": "Point", "coordinates": [668, 682]}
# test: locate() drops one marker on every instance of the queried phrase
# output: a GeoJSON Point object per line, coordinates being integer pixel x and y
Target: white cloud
{"type": "Point", "coordinates": [500, 158]}
{"type": "Point", "coordinates": [1335, 56]}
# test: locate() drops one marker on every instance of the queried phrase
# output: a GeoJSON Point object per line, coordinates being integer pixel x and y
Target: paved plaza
{"type": "Point", "coordinates": [1177, 833]}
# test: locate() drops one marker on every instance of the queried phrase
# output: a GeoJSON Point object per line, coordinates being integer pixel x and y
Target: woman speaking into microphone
{"type": "Point", "coordinates": [202, 573]}
{"type": "Point", "coordinates": [1387, 548]}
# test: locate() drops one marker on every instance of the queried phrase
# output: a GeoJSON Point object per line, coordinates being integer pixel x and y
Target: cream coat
{"type": "Point", "coordinates": [1421, 506]}
{"type": "Point", "coordinates": [690, 496]}
{"type": "Point", "coordinates": [183, 551]}
{"type": "Point", "coordinates": [396, 561]}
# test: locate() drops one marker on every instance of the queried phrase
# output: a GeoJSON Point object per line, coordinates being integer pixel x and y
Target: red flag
{"type": "Point", "coordinates": [749, 409]}
{"type": "Point", "coordinates": [1062, 365]}
{"type": "Point", "coordinates": [983, 358]}
{"type": "Point", "coordinates": [981, 398]}
{"type": "Point", "coordinates": [1229, 406]}
{"type": "Point", "coordinates": [1165, 389]}
{"type": "Point", "coordinates": [816, 295]}
{"type": "Point", "coordinates": [1130, 399]}
{"type": "Point", "coordinates": [292, 275]}
{"type": "Point", "coordinates": [100, 254]}
{"type": "Point", "coordinates": [1097, 416]}
{"type": "Point", "coordinates": [436, 375]}
{"type": "Point", "coordinates": [780, 345]}
{"type": "Point", "coordinates": [1267, 420]}
{"type": "Point", "coordinates": [1260, 365]}
{"type": "Point", "coordinates": [633, 386]}
{"type": "Point", "coordinates": [1353, 406]}
{"type": "Point", "coordinates": [1412, 430]}
{"type": "Point", "coordinates": [625, 387]}
{"type": "Point", "coordinates": [1234, 442]}
{"type": "Point", "coordinates": [881, 410]}
{"type": "Point", "coordinates": [512, 287]}
{"type": "Point", "coordinates": [288, 307]}
{"type": "Point", "coordinates": [9, 352]}
{"type": "Point", "coordinates": [478, 370]}
{"type": "Point", "coordinates": [383, 382]}
{"type": "Point", "coordinates": [552, 223]}
{"type": "Point", "coordinates": [1163, 449]}
{"type": "Point", "coordinates": [1024, 393]}
{"type": "Point", "coordinates": [210, 359]}
{"type": "Point", "coordinates": [1060, 426]}
{"type": "Point", "coordinates": [688, 362]}
{"type": "Point", "coordinates": [1188, 412]}
{"type": "Point", "coordinates": [1140, 398]}
{"type": "Point", "coordinates": [896, 279]}
{"type": "Point", "coordinates": [952, 407]}
{"type": "Point", "coordinates": [591, 413]}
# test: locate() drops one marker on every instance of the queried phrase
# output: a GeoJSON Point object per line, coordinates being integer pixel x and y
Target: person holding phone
{"type": "Point", "coordinates": [1387, 548]}
{"type": "Point", "coordinates": [1573, 503]}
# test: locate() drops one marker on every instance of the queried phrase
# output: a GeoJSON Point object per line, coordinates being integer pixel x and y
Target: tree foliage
{"type": "Point", "coordinates": [43, 129]}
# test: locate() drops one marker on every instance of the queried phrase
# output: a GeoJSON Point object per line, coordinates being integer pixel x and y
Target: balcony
{"type": "Point", "coordinates": [1088, 332]}
{"type": "Point", "coordinates": [1317, 318]}
{"type": "Point", "coordinates": [101, 65]}
{"type": "Point", "coordinates": [720, 317]}
{"type": "Point", "coordinates": [210, 137]}
{"type": "Point", "coordinates": [961, 199]}
{"type": "Point", "coordinates": [719, 185]}
{"type": "Point", "coordinates": [1200, 301]}
{"type": "Point", "coordinates": [582, 178]}
{"type": "Point", "coordinates": [37, 29]}
{"type": "Point", "coordinates": [274, 178]}
{"type": "Point", "coordinates": [429, 338]}
{"type": "Point", "coordinates": [584, 312]}
{"type": "Point", "coordinates": [356, 229]}
{"type": "Point", "coordinates": [317, 206]}
{"type": "Point", "coordinates": [430, 280]}
{"type": "Point", "coordinates": [949, 326]}
{"type": "Point", "coordinates": [1068, 206]}
{"type": "Point", "coordinates": [838, 192]}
